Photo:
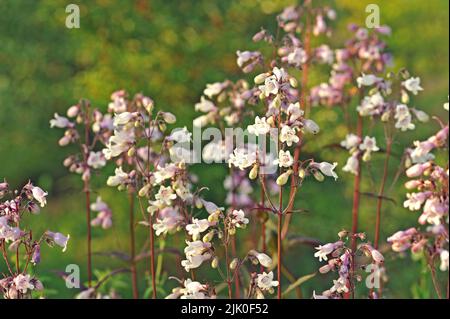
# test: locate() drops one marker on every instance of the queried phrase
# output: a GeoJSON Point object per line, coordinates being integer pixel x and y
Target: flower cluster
{"type": "Point", "coordinates": [341, 258]}
{"type": "Point", "coordinates": [16, 282]}
{"type": "Point", "coordinates": [428, 193]}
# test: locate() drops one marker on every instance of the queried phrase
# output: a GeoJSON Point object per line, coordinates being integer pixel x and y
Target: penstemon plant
{"type": "Point", "coordinates": [429, 178]}
{"type": "Point", "coordinates": [20, 247]}
{"type": "Point", "coordinates": [88, 128]}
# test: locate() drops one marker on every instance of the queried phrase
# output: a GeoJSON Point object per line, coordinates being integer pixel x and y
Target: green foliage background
{"type": "Point", "coordinates": [170, 50]}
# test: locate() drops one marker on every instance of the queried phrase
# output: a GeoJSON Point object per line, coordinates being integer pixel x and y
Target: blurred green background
{"type": "Point", "coordinates": [169, 50]}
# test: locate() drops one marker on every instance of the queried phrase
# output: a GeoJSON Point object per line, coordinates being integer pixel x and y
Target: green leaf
{"type": "Point", "coordinates": [298, 283]}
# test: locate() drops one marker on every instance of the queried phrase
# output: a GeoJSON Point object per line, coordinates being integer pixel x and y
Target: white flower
{"type": "Point", "coordinates": [371, 105]}
{"type": "Point", "coordinates": [413, 85]}
{"type": "Point", "coordinates": [193, 290]}
{"type": "Point", "coordinates": [242, 158]}
{"type": "Point", "coordinates": [119, 178]}
{"type": "Point", "coordinates": [352, 165]}
{"type": "Point", "coordinates": [351, 141]}
{"type": "Point", "coordinates": [213, 89]}
{"type": "Point", "coordinates": [294, 111]}
{"type": "Point", "coordinates": [180, 135]}
{"type": "Point", "coordinates": [23, 283]}
{"type": "Point", "coordinates": [205, 105]}
{"type": "Point", "coordinates": [123, 118]}
{"type": "Point", "coordinates": [196, 253]}
{"type": "Point", "coordinates": [323, 251]}
{"type": "Point", "coordinates": [415, 200]}
{"type": "Point", "coordinates": [260, 127]}
{"type": "Point", "coordinates": [39, 195]}
{"type": "Point", "coordinates": [165, 195]}
{"type": "Point", "coordinates": [340, 286]}
{"type": "Point", "coordinates": [446, 106]}
{"type": "Point", "coordinates": [238, 218]}
{"type": "Point", "coordinates": [166, 172]}
{"type": "Point", "coordinates": [284, 159]}
{"type": "Point", "coordinates": [197, 227]}
{"type": "Point", "coordinates": [327, 169]}
{"type": "Point", "coordinates": [444, 260]}
{"type": "Point", "coordinates": [120, 142]}
{"type": "Point", "coordinates": [297, 57]}
{"type": "Point", "coordinates": [367, 80]}
{"type": "Point", "coordinates": [270, 86]}
{"type": "Point", "coordinates": [324, 54]}
{"type": "Point", "coordinates": [404, 118]}
{"type": "Point", "coordinates": [167, 221]}
{"type": "Point", "coordinates": [265, 281]}
{"type": "Point", "coordinates": [96, 160]}
{"type": "Point", "coordinates": [59, 121]}
{"type": "Point", "coordinates": [59, 239]}
{"type": "Point", "coordinates": [288, 135]}
{"type": "Point", "coordinates": [369, 144]}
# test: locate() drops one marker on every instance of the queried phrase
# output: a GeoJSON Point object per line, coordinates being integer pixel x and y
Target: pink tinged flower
{"type": "Point", "coordinates": [433, 211]}
{"type": "Point", "coordinates": [59, 121]}
{"type": "Point", "coordinates": [367, 80]}
{"type": "Point", "coordinates": [324, 251]}
{"type": "Point", "coordinates": [340, 286]}
{"type": "Point", "coordinates": [417, 169]}
{"type": "Point", "coordinates": [352, 165]}
{"type": "Point", "coordinates": [320, 26]}
{"type": "Point", "coordinates": [59, 239]}
{"type": "Point", "coordinates": [165, 195]}
{"type": "Point", "coordinates": [96, 160]}
{"type": "Point", "coordinates": [285, 159]}
{"type": "Point", "coordinates": [324, 54]}
{"type": "Point", "coordinates": [39, 195]}
{"type": "Point", "coordinates": [294, 111]}
{"type": "Point", "coordinates": [104, 216]}
{"type": "Point", "coordinates": [371, 105]}
{"type": "Point", "coordinates": [123, 118]}
{"type": "Point", "coordinates": [402, 240]}
{"type": "Point", "coordinates": [418, 246]}
{"type": "Point", "coordinates": [73, 111]}
{"type": "Point", "coordinates": [297, 57]}
{"type": "Point", "coordinates": [210, 207]}
{"type": "Point", "coordinates": [36, 257]}
{"type": "Point", "coordinates": [415, 200]}
{"type": "Point", "coordinates": [413, 85]}
{"type": "Point", "coordinates": [23, 283]}
{"type": "Point", "coordinates": [413, 184]}
{"type": "Point", "coordinates": [265, 281]}
{"type": "Point", "coordinates": [214, 89]}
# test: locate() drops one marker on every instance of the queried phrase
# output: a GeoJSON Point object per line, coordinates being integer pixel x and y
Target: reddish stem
{"type": "Point", "coordinates": [133, 248]}
{"type": "Point", "coordinates": [152, 257]}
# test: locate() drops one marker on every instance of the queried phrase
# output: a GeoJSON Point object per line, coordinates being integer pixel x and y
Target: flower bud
{"type": "Point", "coordinates": [73, 111]}
{"type": "Point", "coordinates": [283, 178]}
{"type": "Point", "coordinates": [232, 231]}
{"type": "Point", "coordinates": [215, 263]}
{"type": "Point", "coordinates": [208, 237]}
{"type": "Point", "coordinates": [385, 116]}
{"type": "Point", "coordinates": [144, 190]}
{"type": "Point", "coordinates": [259, 294]}
{"type": "Point", "coordinates": [131, 152]}
{"type": "Point", "coordinates": [169, 118]}
{"type": "Point", "coordinates": [318, 176]}
{"type": "Point", "coordinates": [366, 156]}
{"type": "Point", "coordinates": [310, 126]}
{"type": "Point", "coordinates": [260, 78]}
{"type": "Point", "coordinates": [234, 264]}
{"type": "Point", "coordinates": [293, 82]}
{"type": "Point", "coordinates": [405, 97]}
{"type": "Point", "coordinates": [253, 172]}
{"type": "Point", "coordinates": [302, 173]}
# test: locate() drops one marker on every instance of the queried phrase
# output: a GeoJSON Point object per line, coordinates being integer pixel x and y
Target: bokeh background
{"type": "Point", "coordinates": [169, 50]}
